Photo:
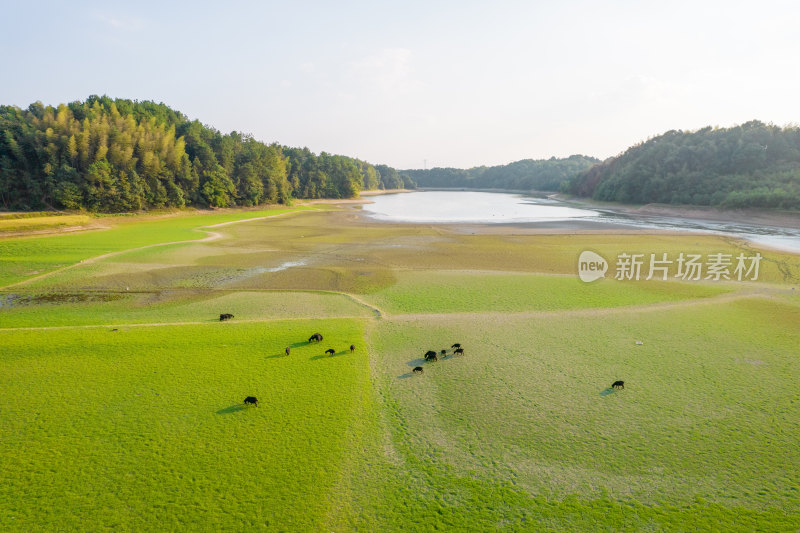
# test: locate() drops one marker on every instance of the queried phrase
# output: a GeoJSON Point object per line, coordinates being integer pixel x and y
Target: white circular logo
{"type": "Point", "coordinates": [591, 266]}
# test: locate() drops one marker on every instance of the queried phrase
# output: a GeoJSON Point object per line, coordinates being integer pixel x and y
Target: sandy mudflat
{"type": "Point", "coordinates": [384, 191]}
{"type": "Point", "coordinates": [360, 200]}
{"type": "Point", "coordinates": [342, 201]}
{"type": "Point", "coordinates": [763, 217]}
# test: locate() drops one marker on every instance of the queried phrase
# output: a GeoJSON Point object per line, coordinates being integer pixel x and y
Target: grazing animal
{"type": "Point", "coordinates": [352, 348]}
{"type": "Point", "coordinates": [316, 337]}
{"type": "Point", "coordinates": [456, 345]}
{"type": "Point", "coordinates": [618, 385]}
{"type": "Point", "coordinates": [225, 316]}
{"type": "Point", "coordinates": [429, 353]}
{"type": "Point", "coordinates": [443, 353]}
{"type": "Point", "coordinates": [330, 351]}
{"type": "Point", "coordinates": [458, 351]}
{"type": "Point", "coordinates": [417, 370]}
{"type": "Point", "coordinates": [251, 400]}
{"type": "Point", "coordinates": [115, 329]}
{"type": "Point", "coordinates": [287, 350]}
{"type": "Point", "coordinates": [432, 358]}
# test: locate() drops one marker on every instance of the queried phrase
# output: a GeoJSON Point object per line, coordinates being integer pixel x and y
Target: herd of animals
{"type": "Point", "coordinates": [431, 356]}
{"type": "Point", "coordinates": [316, 337]}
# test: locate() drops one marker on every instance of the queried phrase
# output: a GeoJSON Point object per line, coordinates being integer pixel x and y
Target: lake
{"type": "Point", "coordinates": [472, 207]}
{"type": "Point", "coordinates": [448, 207]}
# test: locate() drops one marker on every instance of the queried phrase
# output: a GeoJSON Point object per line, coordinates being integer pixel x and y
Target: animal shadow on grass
{"type": "Point", "coordinates": [277, 355]}
{"type": "Point", "coordinates": [416, 362]}
{"type": "Point", "coordinates": [235, 408]}
{"type": "Point", "coordinates": [606, 392]}
{"type": "Point", "coordinates": [326, 356]}
{"type": "Point", "coordinates": [406, 375]}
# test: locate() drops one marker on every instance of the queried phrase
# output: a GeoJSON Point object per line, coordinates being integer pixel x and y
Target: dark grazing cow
{"type": "Point", "coordinates": [251, 400]}
{"type": "Point", "coordinates": [417, 370]}
{"type": "Point", "coordinates": [432, 358]}
{"type": "Point", "coordinates": [429, 354]}
{"type": "Point", "coordinates": [287, 350]}
{"type": "Point", "coordinates": [330, 351]}
{"type": "Point", "coordinates": [225, 316]}
{"type": "Point", "coordinates": [618, 385]}
{"type": "Point", "coordinates": [352, 348]}
{"type": "Point", "coordinates": [316, 337]}
{"type": "Point", "coordinates": [443, 353]}
{"type": "Point", "coordinates": [458, 351]}
{"type": "Point", "coordinates": [456, 345]}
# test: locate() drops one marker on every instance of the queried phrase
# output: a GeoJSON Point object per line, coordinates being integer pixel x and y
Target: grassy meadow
{"type": "Point", "coordinates": [121, 404]}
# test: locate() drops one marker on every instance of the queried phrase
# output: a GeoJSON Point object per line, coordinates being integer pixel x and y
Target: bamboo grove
{"type": "Point", "coordinates": [116, 155]}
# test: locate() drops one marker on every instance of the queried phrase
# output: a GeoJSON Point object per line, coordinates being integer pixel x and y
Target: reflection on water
{"type": "Point", "coordinates": [487, 207]}
{"type": "Point", "coordinates": [473, 207]}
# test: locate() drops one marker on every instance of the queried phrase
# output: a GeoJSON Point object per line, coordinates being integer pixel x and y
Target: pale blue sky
{"type": "Point", "coordinates": [454, 83]}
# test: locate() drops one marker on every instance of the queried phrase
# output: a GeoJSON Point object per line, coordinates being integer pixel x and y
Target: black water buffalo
{"type": "Point", "coordinates": [432, 358]}
{"type": "Point", "coordinates": [417, 370]}
{"type": "Point", "coordinates": [429, 354]}
{"type": "Point", "coordinates": [443, 353]}
{"type": "Point", "coordinates": [287, 350]}
{"type": "Point", "coordinates": [618, 385]}
{"type": "Point", "coordinates": [251, 400]}
{"type": "Point", "coordinates": [458, 351]}
{"type": "Point", "coordinates": [352, 348]}
{"type": "Point", "coordinates": [316, 337]}
{"type": "Point", "coordinates": [456, 345]}
{"type": "Point", "coordinates": [330, 351]}
{"type": "Point", "coordinates": [225, 316]}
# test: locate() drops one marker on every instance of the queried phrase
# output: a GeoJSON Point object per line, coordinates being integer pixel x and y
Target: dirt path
{"type": "Point", "coordinates": [124, 326]}
{"type": "Point", "coordinates": [378, 314]}
{"type": "Point", "coordinates": [212, 236]}
{"type": "Point", "coordinates": [375, 311]}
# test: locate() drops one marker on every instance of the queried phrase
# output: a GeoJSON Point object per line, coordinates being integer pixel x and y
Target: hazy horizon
{"type": "Point", "coordinates": [420, 84]}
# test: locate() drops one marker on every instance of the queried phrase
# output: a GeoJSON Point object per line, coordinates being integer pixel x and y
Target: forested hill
{"type": "Point", "coordinates": [752, 165]}
{"type": "Point", "coordinates": [115, 155]}
{"type": "Point", "coordinates": [528, 174]}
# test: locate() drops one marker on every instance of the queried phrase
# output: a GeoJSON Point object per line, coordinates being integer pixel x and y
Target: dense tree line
{"type": "Point", "coordinates": [116, 155]}
{"type": "Point", "coordinates": [527, 174]}
{"type": "Point", "coordinates": [752, 165]}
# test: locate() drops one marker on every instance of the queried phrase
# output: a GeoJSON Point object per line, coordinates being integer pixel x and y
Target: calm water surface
{"type": "Point", "coordinates": [449, 207]}
{"type": "Point", "coordinates": [469, 207]}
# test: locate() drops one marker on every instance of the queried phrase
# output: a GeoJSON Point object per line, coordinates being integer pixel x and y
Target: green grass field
{"type": "Point", "coordinates": [23, 258]}
{"type": "Point", "coordinates": [121, 404]}
{"type": "Point", "coordinates": [144, 429]}
{"type": "Point", "coordinates": [454, 292]}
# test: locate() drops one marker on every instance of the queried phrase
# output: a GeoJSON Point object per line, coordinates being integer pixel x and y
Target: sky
{"type": "Point", "coordinates": [419, 84]}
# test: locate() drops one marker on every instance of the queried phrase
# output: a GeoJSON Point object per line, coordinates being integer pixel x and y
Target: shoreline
{"type": "Point", "coordinates": [360, 199]}
{"type": "Point", "coordinates": [379, 192]}
{"type": "Point", "coordinates": [761, 217]}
